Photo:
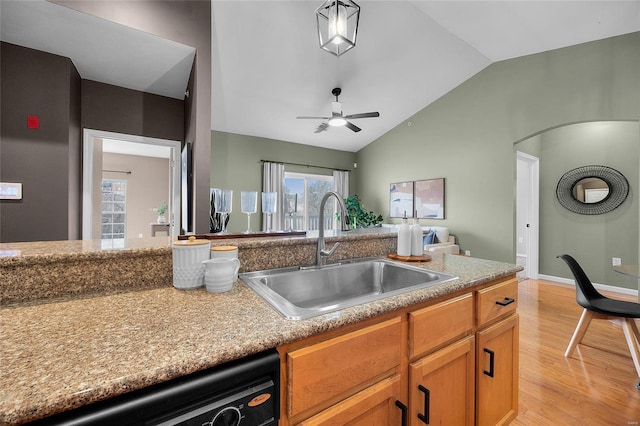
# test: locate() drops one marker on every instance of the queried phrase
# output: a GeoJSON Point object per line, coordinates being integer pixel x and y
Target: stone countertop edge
{"type": "Point", "coordinates": [59, 356]}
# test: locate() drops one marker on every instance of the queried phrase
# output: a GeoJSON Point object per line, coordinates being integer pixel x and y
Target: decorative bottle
{"type": "Point", "coordinates": [417, 247]}
{"type": "Point", "coordinates": [404, 238]}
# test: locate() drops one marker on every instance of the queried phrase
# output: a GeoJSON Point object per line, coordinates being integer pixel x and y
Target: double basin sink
{"type": "Point", "coordinates": [304, 292]}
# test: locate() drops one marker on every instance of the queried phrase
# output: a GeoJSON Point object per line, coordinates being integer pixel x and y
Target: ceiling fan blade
{"type": "Point", "coordinates": [313, 118]}
{"type": "Point", "coordinates": [353, 127]}
{"type": "Point", "coordinates": [363, 115]}
{"type": "Point", "coordinates": [321, 128]}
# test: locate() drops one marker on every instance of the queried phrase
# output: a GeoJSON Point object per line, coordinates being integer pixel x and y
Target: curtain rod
{"type": "Point", "coordinates": [116, 171]}
{"type": "Point", "coordinates": [304, 165]}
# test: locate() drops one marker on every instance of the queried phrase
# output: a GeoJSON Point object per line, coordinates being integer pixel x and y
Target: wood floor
{"type": "Point", "coordinates": [596, 386]}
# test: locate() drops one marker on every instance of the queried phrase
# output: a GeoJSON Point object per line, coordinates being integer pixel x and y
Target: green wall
{"type": "Point", "coordinates": [236, 164]}
{"type": "Point", "coordinates": [468, 135]}
{"type": "Point", "coordinates": [592, 239]}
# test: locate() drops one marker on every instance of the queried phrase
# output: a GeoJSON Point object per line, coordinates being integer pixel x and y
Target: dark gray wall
{"type": "Point", "coordinates": [48, 161]}
{"type": "Point", "coordinates": [187, 22]}
{"type": "Point", "coordinates": [44, 160]}
{"type": "Point", "coordinates": [116, 109]}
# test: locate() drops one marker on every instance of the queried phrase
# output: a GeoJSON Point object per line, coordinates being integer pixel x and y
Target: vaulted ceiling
{"type": "Point", "coordinates": [267, 67]}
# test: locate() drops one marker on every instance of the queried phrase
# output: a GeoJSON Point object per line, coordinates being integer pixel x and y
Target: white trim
{"type": "Point", "coordinates": [603, 287]}
{"type": "Point", "coordinates": [533, 237]}
{"type": "Point", "coordinates": [87, 175]}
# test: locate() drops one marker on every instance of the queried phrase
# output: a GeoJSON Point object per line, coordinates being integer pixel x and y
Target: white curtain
{"type": "Point", "coordinates": [341, 186]}
{"type": "Point", "coordinates": [273, 181]}
{"type": "Point", "coordinates": [341, 182]}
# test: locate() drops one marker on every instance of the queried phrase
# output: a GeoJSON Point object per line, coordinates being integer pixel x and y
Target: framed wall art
{"type": "Point", "coordinates": [429, 198]}
{"type": "Point", "coordinates": [401, 199]}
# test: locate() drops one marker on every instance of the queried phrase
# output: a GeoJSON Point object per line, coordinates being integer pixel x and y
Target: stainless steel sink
{"type": "Point", "coordinates": [299, 293]}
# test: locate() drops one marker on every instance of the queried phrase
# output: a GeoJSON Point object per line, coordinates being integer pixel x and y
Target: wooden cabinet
{"type": "Point", "coordinates": [374, 406]}
{"type": "Point", "coordinates": [442, 386]}
{"type": "Point", "coordinates": [497, 354]}
{"type": "Point", "coordinates": [453, 362]}
{"type": "Point", "coordinates": [497, 373]}
{"type": "Point", "coordinates": [323, 374]}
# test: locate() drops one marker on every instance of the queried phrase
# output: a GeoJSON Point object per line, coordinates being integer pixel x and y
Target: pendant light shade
{"type": "Point", "coordinates": [337, 25]}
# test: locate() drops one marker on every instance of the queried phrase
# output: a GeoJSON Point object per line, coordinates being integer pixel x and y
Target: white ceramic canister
{"type": "Point", "coordinates": [219, 274]}
{"type": "Point", "coordinates": [188, 270]}
{"type": "Point", "coordinates": [225, 252]}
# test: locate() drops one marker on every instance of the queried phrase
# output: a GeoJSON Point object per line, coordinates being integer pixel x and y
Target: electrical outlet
{"type": "Point", "coordinates": [616, 261]}
{"type": "Point", "coordinates": [467, 252]}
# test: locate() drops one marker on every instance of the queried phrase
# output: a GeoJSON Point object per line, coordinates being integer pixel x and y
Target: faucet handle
{"type": "Point", "coordinates": [329, 252]}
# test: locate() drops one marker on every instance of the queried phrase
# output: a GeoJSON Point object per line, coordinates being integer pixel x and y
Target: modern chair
{"type": "Point", "coordinates": [597, 306]}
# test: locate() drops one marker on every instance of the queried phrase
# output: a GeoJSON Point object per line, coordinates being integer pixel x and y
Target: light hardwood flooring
{"type": "Point", "coordinates": [596, 386]}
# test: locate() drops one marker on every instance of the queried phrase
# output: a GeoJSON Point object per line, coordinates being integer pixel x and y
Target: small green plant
{"type": "Point", "coordinates": [357, 216]}
{"type": "Point", "coordinates": [162, 209]}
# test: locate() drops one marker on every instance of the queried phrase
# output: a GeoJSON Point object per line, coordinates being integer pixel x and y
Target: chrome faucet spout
{"type": "Point", "coordinates": [322, 253]}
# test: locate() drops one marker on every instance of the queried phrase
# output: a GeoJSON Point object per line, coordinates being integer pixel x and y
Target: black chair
{"type": "Point", "coordinates": [597, 306]}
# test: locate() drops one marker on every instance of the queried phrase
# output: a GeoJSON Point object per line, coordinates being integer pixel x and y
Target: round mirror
{"type": "Point", "coordinates": [592, 189]}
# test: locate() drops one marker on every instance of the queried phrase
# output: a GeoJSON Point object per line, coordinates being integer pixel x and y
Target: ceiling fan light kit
{"type": "Point", "coordinates": [338, 118]}
{"type": "Point", "coordinates": [337, 22]}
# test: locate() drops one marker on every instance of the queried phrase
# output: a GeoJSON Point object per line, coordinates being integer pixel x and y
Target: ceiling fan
{"type": "Point", "coordinates": [337, 118]}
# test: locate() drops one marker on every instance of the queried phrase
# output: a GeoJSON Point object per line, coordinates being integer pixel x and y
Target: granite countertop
{"type": "Point", "coordinates": [64, 354]}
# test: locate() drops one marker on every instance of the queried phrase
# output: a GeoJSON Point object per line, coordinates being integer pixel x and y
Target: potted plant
{"type": "Point", "coordinates": [357, 216]}
{"type": "Point", "coordinates": [161, 211]}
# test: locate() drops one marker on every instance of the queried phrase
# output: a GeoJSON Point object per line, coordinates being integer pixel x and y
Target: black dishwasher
{"type": "Point", "coordinates": [239, 393]}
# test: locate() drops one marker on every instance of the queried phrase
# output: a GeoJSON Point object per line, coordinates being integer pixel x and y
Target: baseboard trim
{"type": "Point", "coordinates": [604, 287]}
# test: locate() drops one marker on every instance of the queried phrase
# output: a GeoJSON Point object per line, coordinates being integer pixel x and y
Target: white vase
{"type": "Point", "coordinates": [161, 219]}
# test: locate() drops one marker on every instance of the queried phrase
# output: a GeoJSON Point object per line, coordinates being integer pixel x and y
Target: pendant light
{"type": "Point", "coordinates": [337, 25]}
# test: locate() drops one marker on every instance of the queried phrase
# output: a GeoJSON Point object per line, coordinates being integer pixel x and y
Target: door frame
{"type": "Point", "coordinates": [88, 136]}
{"type": "Point", "coordinates": [532, 194]}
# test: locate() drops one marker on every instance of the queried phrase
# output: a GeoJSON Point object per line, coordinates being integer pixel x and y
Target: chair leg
{"type": "Point", "coordinates": [578, 334]}
{"type": "Point", "coordinates": [631, 334]}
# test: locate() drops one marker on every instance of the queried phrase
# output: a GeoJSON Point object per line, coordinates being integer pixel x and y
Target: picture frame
{"type": "Point", "coordinates": [401, 199]}
{"type": "Point", "coordinates": [429, 198]}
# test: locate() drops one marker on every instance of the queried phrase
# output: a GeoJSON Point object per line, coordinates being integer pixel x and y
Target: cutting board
{"type": "Point", "coordinates": [423, 258]}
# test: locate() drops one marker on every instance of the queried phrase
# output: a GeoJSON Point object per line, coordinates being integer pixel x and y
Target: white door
{"type": "Point", "coordinates": [92, 171]}
{"type": "Point", "coordinates": [527, 201]}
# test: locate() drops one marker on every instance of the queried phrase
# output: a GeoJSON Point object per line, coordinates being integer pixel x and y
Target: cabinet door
{"type": "Point", "coordinates": [320, 375]}
{"type": "Point", "coordinates": [442, 386]}
{"type": "Point", "coordinates": [374, 406]}
{"type": "Point", "coordinates": [497, 374]}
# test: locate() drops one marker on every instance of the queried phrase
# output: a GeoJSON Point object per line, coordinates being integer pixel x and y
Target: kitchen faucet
{"type": "Point", "coordinates": [322, 253]}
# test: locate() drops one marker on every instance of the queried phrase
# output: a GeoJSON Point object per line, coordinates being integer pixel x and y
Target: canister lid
{"type": "Point", "coordinates": [223, 248]}
{"type": "Point", "coordinates": [192, 241]}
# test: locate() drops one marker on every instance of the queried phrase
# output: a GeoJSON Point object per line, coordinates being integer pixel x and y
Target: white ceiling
{"type": "Point", "coordinates": [267, 67]}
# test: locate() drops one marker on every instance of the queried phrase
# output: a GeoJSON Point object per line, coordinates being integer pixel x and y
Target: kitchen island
{"type": "Point", "coordinates": [75, 349]}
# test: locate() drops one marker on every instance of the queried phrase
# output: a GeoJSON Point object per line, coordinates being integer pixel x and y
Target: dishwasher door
{"type": "Point", "coordinates": [244, 392]}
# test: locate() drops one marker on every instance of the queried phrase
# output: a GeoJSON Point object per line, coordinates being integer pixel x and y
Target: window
{"type": "Point", "coordinates": [302, 195]}
{"type": "Point", "coordinates": [114, 209]}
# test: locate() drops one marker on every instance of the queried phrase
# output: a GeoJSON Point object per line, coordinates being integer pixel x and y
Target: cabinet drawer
{"type": "Point", "coordinates": [323, 373]}
{"type": "Point", "coordinates": [435, 325]}
{"type": "Point", "coordinates": [373, 406]}
{"type": "Point", "coordinates": [497, 301]}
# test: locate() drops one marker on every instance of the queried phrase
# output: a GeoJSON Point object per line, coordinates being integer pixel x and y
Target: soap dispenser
{"type": "Point", "coordinates": [417, 247]}
{"type": "Point", "coordinates": [404, 238]}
